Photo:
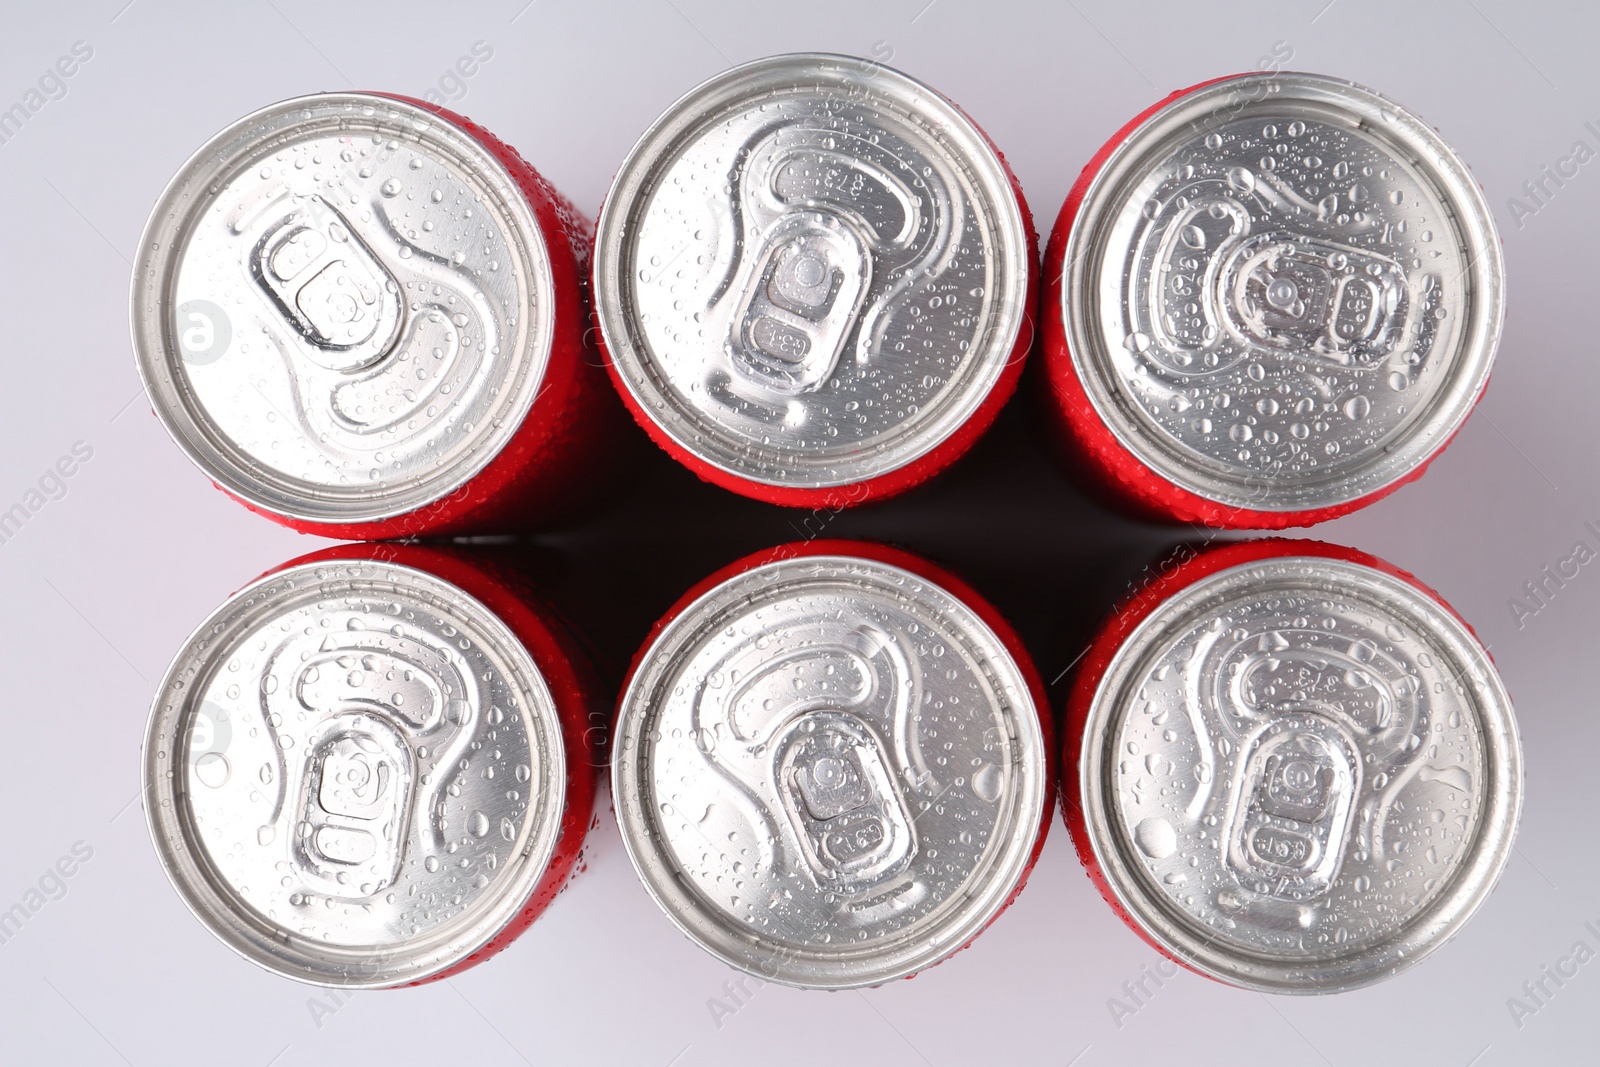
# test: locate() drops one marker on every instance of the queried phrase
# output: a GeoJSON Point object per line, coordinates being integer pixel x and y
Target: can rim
{"type": "Point", "coordinates": [169, 225]}
{"type": "Point", "coordinates": [1179, 936]}
{"type": "Point", "coordinates": [649, 394]}
{"type": "Point", "coordinates": [204, 892]}
{"type": "Point", "coordinates": [1484, 281]}
{"type": "Point", "coordinates": [783, 964]}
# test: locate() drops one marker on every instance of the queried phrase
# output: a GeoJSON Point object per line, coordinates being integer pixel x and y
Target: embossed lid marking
{"type": "Point", "coordinates": [1300, 775]}
{"type": "Point", "coordinates": [811, 271]}
{"type": "Point", "coordinates": [354, 774]}
{"type": "Point", "coordinates": [1283, 292]}
{"type": "Point", "coordinates": [342, 307]}
{"type": "Point", "coordinates": [829, 772]}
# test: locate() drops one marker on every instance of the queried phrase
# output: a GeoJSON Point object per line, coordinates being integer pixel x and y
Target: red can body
{"type": "Point", "coordinates": [739, 470]}
{"type": "Point", "coordinates": [1169, 578]}
{"type": "Point", "coordinates": [897, 557]}
{"type": "Point", "coordinates": [1094, 454]}
{"type": "Point", "coordinates": [375, 388]}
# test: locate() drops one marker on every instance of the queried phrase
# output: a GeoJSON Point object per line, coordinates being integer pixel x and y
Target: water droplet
{"type": "Point", "coordinates": [986, 783]}
{"type": "Point", "coordinates": [1156, 838]}
{"type": "Point", "coordinates": [212, 769]}
{"type": "Point", "coordinates": [391, 188]}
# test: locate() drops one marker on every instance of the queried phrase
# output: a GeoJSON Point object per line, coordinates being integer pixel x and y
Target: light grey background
{"type": "Point", "coordinates": [100, 586]}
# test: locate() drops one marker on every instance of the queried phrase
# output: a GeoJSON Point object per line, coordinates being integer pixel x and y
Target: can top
{"type": "Point", "coordinates": [829, 772]}
{"type": "Point", "coordinates": [355, 774]}
{"type": "Point", "coordinates": [811, 271]}
{"type": "Point", "coordinates": [1282, 292]}
{"type": "Point", "coordinates": [1300, 774]}
{"type": "Point", "coordinates": [342, 307]}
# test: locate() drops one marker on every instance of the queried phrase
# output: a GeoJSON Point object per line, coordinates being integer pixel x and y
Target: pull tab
{"type": "Point", "coordinates": [1308, 296]}
{"type": "Point", "coordinates": [1291, 808]}
{"type": "Point", "coordinates": [801, 739]}
{"type": "Point", "coordinates": [327, 283]}
{"type": "Point", "coordinates": [347, 807]}
{"type": "Point", "coordinates": [824, 222]}
{"type": "Point", "coordinates": [355, 806]}
{"type": "Point", "coordinates": [393, 335]}
{"type": "Point", "coordinates": [811, 275]}
{"type": "Point", "coordinates": [852, 823]}
{"type": "Point", "coordinates": [1222, 283]}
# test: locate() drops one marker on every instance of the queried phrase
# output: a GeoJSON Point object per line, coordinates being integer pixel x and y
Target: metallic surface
{"type": "Point", "coordinates": [1300, 775]}
{"type": "Point", "coordinates": [829, 772]}
{"type": "Point", "coordinates": [811, 270]}
{"type": "Point", "coordinates": [1283, 292]}
{"type": "Point", "coordinates": [355, 774]}
{"type": "Point", "coordinates": [342, 307]}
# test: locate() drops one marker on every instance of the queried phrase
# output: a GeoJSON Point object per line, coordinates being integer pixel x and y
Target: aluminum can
{"type": "Point", "coordinates": [815, 281]}
{"type": "Point", "coordinates": [374, 766]}
{"type": "Point", "coordinates": [832, 764]}
{"type": "Point", "coordinates": [1291, 767]}
{"type": "Point", "coordinates": [1272, 300]}
{"type": "Point", "coordinates": [364, 317]}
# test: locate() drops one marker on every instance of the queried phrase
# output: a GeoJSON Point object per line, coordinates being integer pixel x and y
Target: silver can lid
{"type": "Point", "coordinates": [829, 772]}
{"type": "Point", "coordinates": [811, 271]}
{"type": "Point", "coordinates": [1283, 292]}
{"type": "Point", "coordinates": [342, 307]}
{"type": "Point", "coordinates": [1300, 775]}
{"type": "Point", "coordinates": [354, 774]}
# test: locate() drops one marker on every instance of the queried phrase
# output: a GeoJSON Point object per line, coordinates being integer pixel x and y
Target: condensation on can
{"type": "Point", "coordinates": [832, 764]}
{"type": "Point", "coordinates": [365, 317]}
{"type": "Point", "coordinates": [375, 766]}
{"type": "Point", "coordinates": [815, 281]}
{"type": "Point", "coordinates": [1271, 300]}
{"type": "Point", "coordinates": [1290, 766]}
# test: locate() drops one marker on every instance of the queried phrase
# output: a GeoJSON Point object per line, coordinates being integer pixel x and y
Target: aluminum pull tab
{"type": "Point", "coordinates": [823, 224]}
{"type": "Point", "coordinates": [327, 283]}
{"type": "Point", "coordinates": [1290, 811]}
{"type": "Point", "coordinates": [803, 742]}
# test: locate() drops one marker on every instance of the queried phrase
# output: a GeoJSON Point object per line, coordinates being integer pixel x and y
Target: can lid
{"type": "Point", "coordinates": [354, 774]}
{"type": "Point", "coordinates": [811, 271]}
{"type": "Point", "coordinates": [342, 307]}
{"type": "Point", "coordinates": [1282, 292]}
{"type": "Point", "coordinates": [829, 772]}
{"type": "Point", "coordinates": [1300, 775]}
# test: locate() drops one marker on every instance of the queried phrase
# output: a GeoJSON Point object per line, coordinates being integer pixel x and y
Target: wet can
{"type": "Point", "coordinates": [1291, 767]}
{"type": "Point", "coordinates": [364, 316]}
{"type": "Point", "coordinates": [814, 281]}
{"type": "Point", "coordinates": [374, 766]}
{"type": "Point", "coordinates": [1273, 299]}
{"type": "Point", "coordinates": [832, 764]}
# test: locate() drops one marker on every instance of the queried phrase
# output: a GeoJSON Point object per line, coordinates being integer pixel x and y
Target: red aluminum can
{"type": "Point", "coordinates": [854, 739]}
{"type": "Point", "coordinates": [1272, 299]}
{"type": "Point", "coordinates": [364, 317]}
{"type": "Point", "coordinates": [1290, 766]}
{"type": "Point", "coordinates": [814, 281]}
{"type": "Point", "coordinates": [375, 766]}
